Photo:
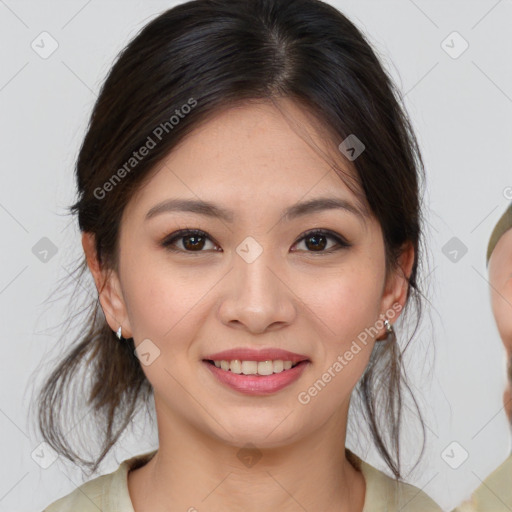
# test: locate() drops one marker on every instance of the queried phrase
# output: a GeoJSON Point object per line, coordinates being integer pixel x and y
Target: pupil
{"type": "Point", "coordinates": [195, 243]}
{"type": "Point", "coordinates": [316, 243]}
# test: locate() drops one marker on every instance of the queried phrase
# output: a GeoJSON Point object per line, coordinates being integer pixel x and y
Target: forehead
{"type": "Point", "coordinates": [253, 153]}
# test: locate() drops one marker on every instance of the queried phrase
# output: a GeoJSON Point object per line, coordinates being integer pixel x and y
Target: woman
{"type": "Point", "coordinates": [249, 207]}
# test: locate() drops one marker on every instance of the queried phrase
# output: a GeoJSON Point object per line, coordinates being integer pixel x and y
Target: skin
{"type": "Point", "coordinates": [250, 160]}
{"type": "Point", "coordinates": [500, 278]}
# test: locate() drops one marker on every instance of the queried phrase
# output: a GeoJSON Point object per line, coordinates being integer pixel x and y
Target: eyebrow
{"type": "Point", "coordinates": [209, 209]}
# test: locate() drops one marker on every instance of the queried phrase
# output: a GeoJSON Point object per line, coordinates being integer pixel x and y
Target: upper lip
{"type": "Point", "coordinates": [251, 354]}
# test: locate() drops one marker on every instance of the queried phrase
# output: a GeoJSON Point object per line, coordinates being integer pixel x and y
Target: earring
{"type": "Point", "coordinates": [118, 333]}
{"type": "Point", "coordinates": [389, 331]}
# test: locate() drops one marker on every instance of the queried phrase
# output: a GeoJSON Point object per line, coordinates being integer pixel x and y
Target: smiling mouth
{"type": "Point", "coordinates": [255, 368]}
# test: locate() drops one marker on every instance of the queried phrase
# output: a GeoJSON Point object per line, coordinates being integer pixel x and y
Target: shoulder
{"type": "Point", "coordinates": [90, 496]}
{"type": "Point", "coordinates": [108, 493]}
{"type": "Point", "coordinates": [466, 506]}
{"type": "Point", "coordinates": [501, 477]}
{"type": "Point", "coordinates": [495, 493]}
{"type": "Point", "coordinates": [384, 493]}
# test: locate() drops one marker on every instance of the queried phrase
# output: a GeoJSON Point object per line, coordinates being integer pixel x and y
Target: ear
{"type": "Point", "coordinates": [109, 288]}
{"type": "Point", "coordinates": [397, 283]}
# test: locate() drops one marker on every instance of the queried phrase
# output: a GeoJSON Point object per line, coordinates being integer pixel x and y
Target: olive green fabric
{"type": "Point", "coordinates": [494, 494]}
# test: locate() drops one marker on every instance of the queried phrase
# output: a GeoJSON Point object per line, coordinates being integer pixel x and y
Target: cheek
{"type": "Point", "coordinates": [162, 303]}
{"type": "Point", "coordinates": [347, 302]}
{"type": "Point", "coordinates": [342, 307]}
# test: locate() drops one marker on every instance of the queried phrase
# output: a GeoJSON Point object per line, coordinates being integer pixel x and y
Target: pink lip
{"type": "Point", "coordinates": [258, 384]}
{"type": "Point", "coordinates": [250, 354]}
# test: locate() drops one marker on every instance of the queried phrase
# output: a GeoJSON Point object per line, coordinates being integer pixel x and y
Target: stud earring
{"type": "Point", "coordinates": [118, 333]}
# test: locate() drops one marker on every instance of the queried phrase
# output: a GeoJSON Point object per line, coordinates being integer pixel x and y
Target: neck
{"type": "Point", "coordinates": [191, 471]}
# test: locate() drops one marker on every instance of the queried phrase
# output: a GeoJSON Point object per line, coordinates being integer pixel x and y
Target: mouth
{"type": "Point", "coordinates": [255, 368]}
{"type": "Point", "coordinates": [256, 377]}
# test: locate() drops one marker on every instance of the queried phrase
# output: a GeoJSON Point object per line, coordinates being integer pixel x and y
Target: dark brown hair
{"type": "Point", "coordinates": [210, 55]}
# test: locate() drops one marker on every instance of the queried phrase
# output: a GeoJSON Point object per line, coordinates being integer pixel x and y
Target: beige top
{"type": "Point", "coordinates": [109, 493]}
{"type": "Point", "coordinates": [495, 493]}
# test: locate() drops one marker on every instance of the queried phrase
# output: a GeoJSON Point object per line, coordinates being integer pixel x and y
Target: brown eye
{"type": "Point", "coordinates": [193, 242]}
{"type": "Point", "coordinates": [318, 240]}
{"type": "Point", "coordinates": [187, 241]}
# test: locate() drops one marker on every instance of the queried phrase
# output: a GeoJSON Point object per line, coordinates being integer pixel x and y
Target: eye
{"type": "Point", "coordinates": [195, 240]}
{"type": "Point", "coordinates": [191, 240]}
{"type": "Point", "coordinates": [316, 241]}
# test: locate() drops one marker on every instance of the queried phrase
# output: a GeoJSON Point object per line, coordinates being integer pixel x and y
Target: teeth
{"type": "Point", "coordinates": [254, 367]}
{"type": "Point", "coordinates": [249, 367]}
{"type": "Point", "coordinates": [236, 366]}
{"type": "Point", "coordinates": [278, 366]}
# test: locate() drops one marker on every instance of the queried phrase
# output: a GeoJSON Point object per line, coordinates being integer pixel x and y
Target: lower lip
{"type": "Point", "coordinates": [258, 384]}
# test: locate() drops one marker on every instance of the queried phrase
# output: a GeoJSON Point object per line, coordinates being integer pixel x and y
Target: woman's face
{"type": "Point", "coordinates": [253, 280]}
{"type": "Point", "coordinates": [500, 278]}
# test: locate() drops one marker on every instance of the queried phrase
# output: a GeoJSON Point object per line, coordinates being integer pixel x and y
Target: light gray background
{"type": "Point", "coordinates": [461, 110]}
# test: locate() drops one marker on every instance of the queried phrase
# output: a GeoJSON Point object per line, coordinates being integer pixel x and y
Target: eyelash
{"type": "Point", "coordinates": [168, 242]}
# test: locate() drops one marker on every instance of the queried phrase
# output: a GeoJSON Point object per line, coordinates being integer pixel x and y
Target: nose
{"type": "Point", "coordinates": [256, 297]}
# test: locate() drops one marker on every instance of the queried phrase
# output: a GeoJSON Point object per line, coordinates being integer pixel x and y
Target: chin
{"type": "Point", "coordinates": [263, 436]}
